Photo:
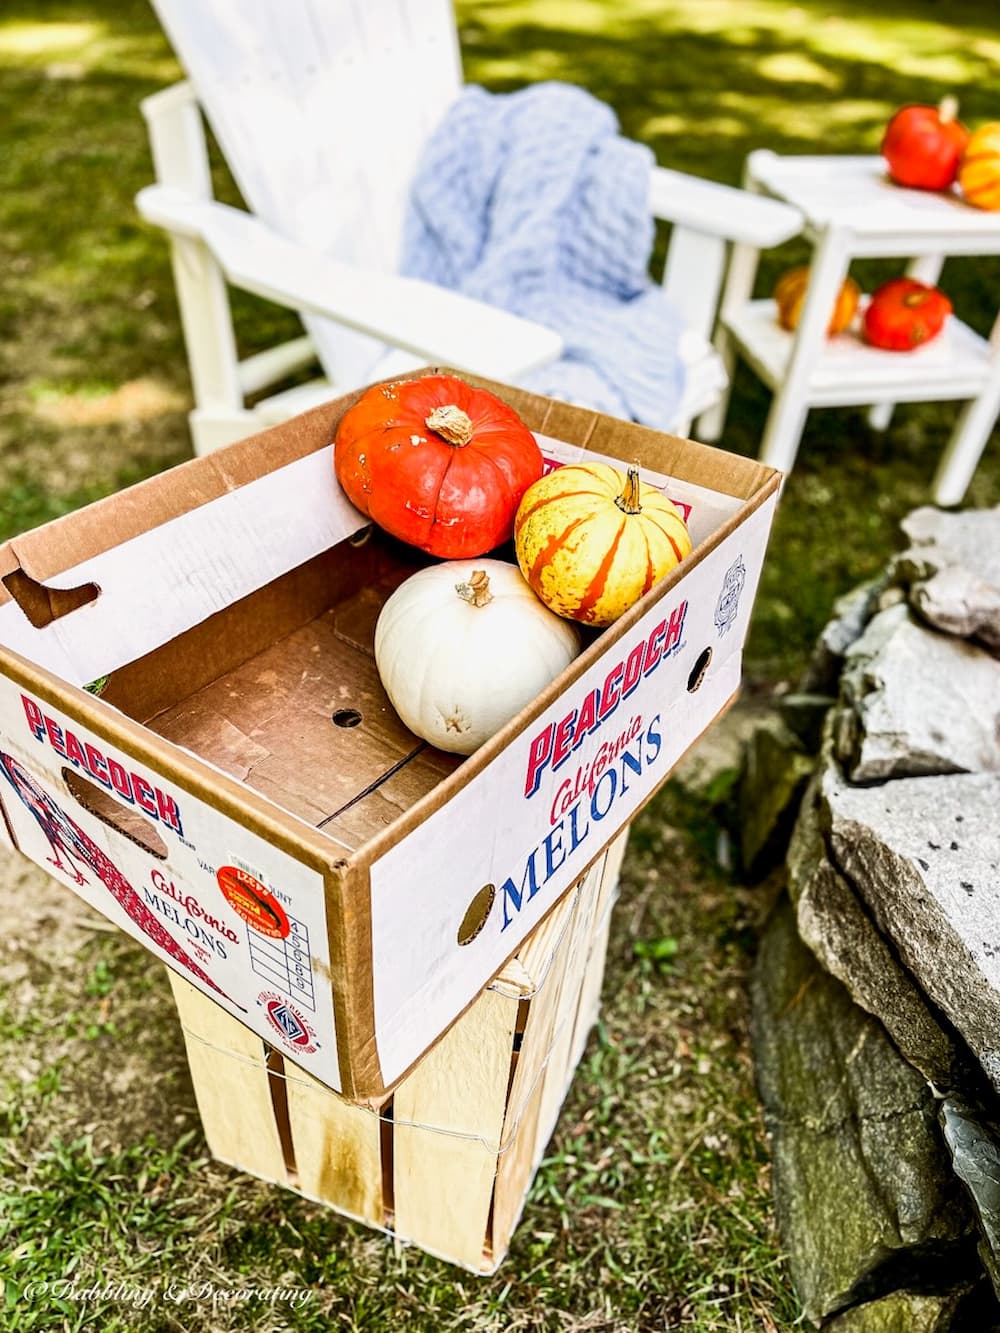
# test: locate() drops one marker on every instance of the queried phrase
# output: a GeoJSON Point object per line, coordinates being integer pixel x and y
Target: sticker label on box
{"type": "Point", "coordinates": [528, 825]}
{"type": "Point", "coordinates": [238, 918]}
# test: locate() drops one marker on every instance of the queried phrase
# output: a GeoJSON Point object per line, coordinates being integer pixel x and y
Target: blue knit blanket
{"type": "Point", "coordinates": [533, 202]}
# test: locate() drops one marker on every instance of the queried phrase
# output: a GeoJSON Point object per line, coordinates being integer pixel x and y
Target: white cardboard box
{"type": "Point", "coordinates": [242, 798]}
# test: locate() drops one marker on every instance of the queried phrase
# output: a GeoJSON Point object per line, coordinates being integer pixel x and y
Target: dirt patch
{"type": "Point", "coordinates": [88, 1038]}
{"type": "Point", "coordinates": [139, 400]}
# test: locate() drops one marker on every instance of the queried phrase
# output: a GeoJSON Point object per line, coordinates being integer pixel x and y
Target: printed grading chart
{"type": "Point", "coordinates": [285, 962]}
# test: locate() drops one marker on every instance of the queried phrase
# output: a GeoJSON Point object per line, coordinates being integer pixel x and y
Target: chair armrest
{"type": "Point", "coordinates": [720, 210]}
{"type": "Point", "coordinates": [417, 316]}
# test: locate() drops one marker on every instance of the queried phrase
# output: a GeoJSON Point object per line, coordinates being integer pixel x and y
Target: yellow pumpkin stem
{"type": "Point", "coordinates": [452, 424]}
{"type": "Point", "coordinates": [628, 501]}
{"type": "Point", "coordinates": [477, 591]}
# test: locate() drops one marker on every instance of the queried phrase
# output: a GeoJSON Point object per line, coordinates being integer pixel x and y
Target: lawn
{"type": "Point", "coordinates": [652, 1210]}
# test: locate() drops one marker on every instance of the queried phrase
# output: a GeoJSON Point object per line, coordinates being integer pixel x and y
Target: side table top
{"type": "Point", "coordinates": [856, 192]}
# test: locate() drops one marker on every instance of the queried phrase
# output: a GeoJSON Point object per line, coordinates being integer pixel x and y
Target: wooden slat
{"type": "Point", "coordinates": [337, 1148]}
{"type": "Point", "coordinates": [589, 1004]}
{"type": "Point", "coordinates": [590, 990]}
{"type": "Point", "coordinates": [443, 1183]}
{"type": "Point", "coordinates": [559, 1067]}
{"type": "Point", "coordinates": [230, 1077]}
{"type": "Point", "coordinates": [517, 1163]}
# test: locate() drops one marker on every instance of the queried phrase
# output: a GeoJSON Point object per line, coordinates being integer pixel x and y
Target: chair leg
{"type": "Point", "coordinates": [212, 430]}
{"type": "Point", "coordinates": [711, 423]}
{"type": "Point", "coordinates": [965, 448]}
{"type": "Point", "coordinates": [743, 263]}
{"type": "Point", "coordinates": [783, 431]}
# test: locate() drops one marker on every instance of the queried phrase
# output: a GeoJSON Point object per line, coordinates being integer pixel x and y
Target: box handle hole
{"type": "Point", "coordinates": [129, 823]}
{"type": "Point", "coordinates": [43, 605]}
{"type": "Point", "coordinates": [346, 717]}
{"type": "Point", "coordinates": [476, 914]}
{"type": "Point", "coordinates": [699, 669]}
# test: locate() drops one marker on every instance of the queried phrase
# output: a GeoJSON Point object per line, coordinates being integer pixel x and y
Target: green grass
{"type": "Point", "coordinates": [652, 1210]}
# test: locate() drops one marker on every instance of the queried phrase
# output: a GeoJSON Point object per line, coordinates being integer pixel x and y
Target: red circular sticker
{"type": "Point", "coordinates": [250, 900]}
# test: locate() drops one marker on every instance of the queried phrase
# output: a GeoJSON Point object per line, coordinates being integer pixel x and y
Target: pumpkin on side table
{"type": "Point", "coordinates": [979, 171]}
{"type": "Point", "coordinates": [923, 144]}
{"type": "Point", "coordinates": [905, 313]}
{"type": "Point", "coordinates": [790, 295]}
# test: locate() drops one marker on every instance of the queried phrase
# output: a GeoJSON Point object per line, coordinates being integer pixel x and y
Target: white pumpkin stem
{"type": "Point", "coordinates": [477, 591]}
{"type": "Point", "coordinates": [947, 109]}
{"type": "Point", "coordinates": [452, 424]}
{"type": "Point", "coordinates": [628, 501]}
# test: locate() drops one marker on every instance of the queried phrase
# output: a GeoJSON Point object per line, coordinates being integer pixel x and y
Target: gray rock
{"type": "Point", "coordinates": [805, 715]}
{"type": "Point", "coordinates": [973, 1140]}
{"type": "Point", "coordinates": [851, 613]}
{"type": "Point", "coordinates": [863, 1195]}
{"type": "Point", "coordinates": [777, 768]}
{"type": "Point", "coordinates": [960, 602]}
{"type": "Point", "coordinates": [952, 571]}
{"type": "Point", "coordinates": [841, 934]}
{"type": "Point", "coordinates": [917, 702]}
{"type": "Point", "coordinates": [903, 1312]}
{"type": "Point", "coordinates": [924, 854]}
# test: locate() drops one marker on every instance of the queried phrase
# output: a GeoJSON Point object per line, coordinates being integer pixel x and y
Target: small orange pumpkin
{"type": "Point", "coordinates": [790, 294]}
{"type": "Point", "coordinates": [590, 540]}
{"type": "Point", "coordinates": [979, 170]}
{"type": "Point", "coordinates": [436, 463]}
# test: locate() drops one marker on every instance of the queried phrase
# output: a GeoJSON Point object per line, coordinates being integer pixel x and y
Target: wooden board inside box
{"type": "Point", "coordinates": [231, 696]}
{"type": "Point", "coordinates": [280, 691]}
{"type": "Point", "coordinates": [446, 1162]}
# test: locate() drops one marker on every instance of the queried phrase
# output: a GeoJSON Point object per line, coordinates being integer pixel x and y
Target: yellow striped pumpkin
{"type": "Point", "coordinates": [979, 170]}
{"type": "Point", "coordinates": [591, 540]}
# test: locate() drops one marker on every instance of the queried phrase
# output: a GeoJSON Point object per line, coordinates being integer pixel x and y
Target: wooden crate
{"type": "Point", "coordinates": [445, 1162]}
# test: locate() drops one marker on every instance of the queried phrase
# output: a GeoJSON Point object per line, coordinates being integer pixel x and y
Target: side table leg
{"type": "Point", "coordinates": [925, 268]}
{"type": "Point", "coordinates": [791, 401]}
{"type": "Point", "coordinates": [965, 448]}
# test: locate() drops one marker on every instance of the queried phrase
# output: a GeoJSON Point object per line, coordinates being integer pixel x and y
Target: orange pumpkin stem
{"type": "Point", "coordinates": [452, 424]}
{"type": "Point", "coordinates": [628, 501]}
{"type": "Point", "coordinates": [947, 109]}
{"type": "Point", "coordinates": [477, 591]}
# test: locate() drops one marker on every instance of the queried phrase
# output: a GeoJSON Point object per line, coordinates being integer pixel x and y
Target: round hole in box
{"type": "Point", "coordinates": [476, 913]}
{"type": "Point", "coordinates": [361, 537]}
{"type": "Point", "coordinates": [698, 670]}
{"type": "Point", "coordinates": [346, 717]}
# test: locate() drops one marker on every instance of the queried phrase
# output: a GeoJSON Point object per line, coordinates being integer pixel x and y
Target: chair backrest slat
{"type": "Point", "coordinates": [321, 108]}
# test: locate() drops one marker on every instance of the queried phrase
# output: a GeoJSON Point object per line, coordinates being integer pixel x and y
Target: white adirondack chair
{"type": "Point", "coordinates": [321, 108]}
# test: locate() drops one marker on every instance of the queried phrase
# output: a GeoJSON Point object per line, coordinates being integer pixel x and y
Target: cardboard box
{"type": "Point", "coordinates": [235, 790]}
{"type": "Point", "coordinates": [447, 1160]}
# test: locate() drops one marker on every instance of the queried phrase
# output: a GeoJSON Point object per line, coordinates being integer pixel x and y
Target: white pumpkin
{"type": "Point", "coordinates": [463, 646]}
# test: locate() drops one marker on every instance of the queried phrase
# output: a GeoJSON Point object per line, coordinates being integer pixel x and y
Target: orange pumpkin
{"type": "Point", "coordinates": [437, 463]}
{"type": "Point", "coordinates": [923, 144]}
{"type": "Point", "coordinates": [905, 313]}
{"type": "Point", "coordinates": [590, 540]}
{"type": "Point", "coordinates": [979, 170]}
{"type": "Point", "coordinates": [790, 294]}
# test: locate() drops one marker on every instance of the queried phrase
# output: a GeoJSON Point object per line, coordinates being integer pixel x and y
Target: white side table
{"type": "Point", "coordinates": [853, 210]}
